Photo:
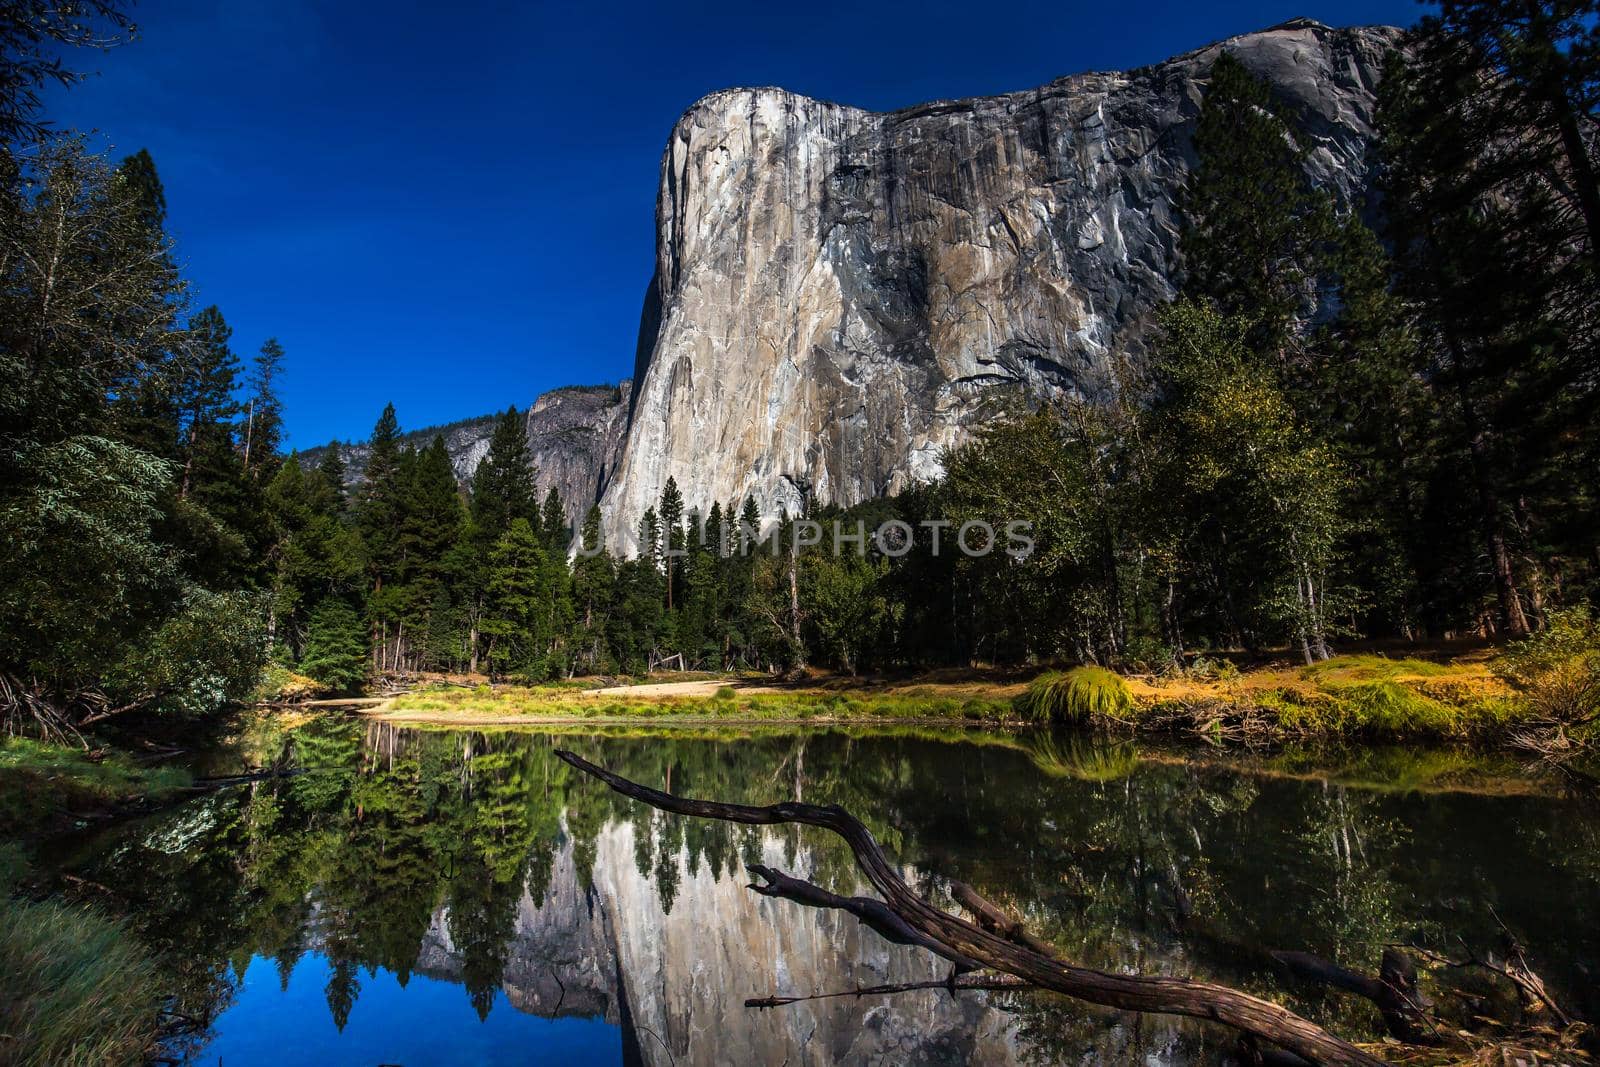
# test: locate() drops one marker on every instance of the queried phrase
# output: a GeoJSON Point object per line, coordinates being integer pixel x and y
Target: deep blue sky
{"type": "Point", "coordinates": [451, 205]}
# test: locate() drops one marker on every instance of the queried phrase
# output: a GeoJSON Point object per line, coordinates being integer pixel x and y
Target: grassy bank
{"type": "Point", "coordinates": [76, 987]}
{"type": "Point", "coordinates": [713, 700]}
{"type": "Point", "coordinates": [44, 786]}
{"type": "Point", "coordinates": [1475, 698]}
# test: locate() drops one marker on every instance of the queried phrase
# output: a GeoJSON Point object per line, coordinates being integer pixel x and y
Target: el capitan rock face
{"type": "Point", "coordinates": [839, 295]}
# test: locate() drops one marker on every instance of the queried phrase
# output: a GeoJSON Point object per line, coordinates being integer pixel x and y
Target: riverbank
{"type": "Point", "coordinates": [1466, 698]}
{"type": "Point", "coordinates": [46, 788]}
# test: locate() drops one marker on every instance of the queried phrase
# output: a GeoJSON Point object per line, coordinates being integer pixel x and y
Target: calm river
{"type": "Point", "coordinates": [423, 897]}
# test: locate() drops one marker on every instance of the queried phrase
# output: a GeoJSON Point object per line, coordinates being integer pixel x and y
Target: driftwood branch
{"type": "Point", "coordinates": [952, 984]}
{"type": "Point", "coordinates": [874, 913]}
{"type": "Point", "coordinates": [1254, 1016]}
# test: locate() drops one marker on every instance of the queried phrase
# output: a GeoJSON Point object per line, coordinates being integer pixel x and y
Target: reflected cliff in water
{"type": "Point", "coordinates": [426, 896]}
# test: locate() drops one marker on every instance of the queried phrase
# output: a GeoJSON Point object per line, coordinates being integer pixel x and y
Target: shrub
{"type": "Point", "coordinates": [1081, 695]}
{"type": "Point", "coordinates": [724, 692]}
{"type": "Point", "coordinates": [1557, 670]}
{"type": "Point", "coordinates": [206, 655]}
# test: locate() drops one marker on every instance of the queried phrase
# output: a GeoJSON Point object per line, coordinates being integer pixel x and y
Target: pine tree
{"type": "Point", "coordinates": [516, 617]}
{"type": "Point", "coordinates": [503, 486]}
{"type": "Point", "coordinates": [553, 523]}
{"type": "Point", "coordinates": [593, 587]}
{"type": "Point", "coordinates": [330, 492]}
{"type": "Point", "coordinates": [378, 513]}
{"type": "Point", "coordinates": [671, 515]}
{"type": "Point", "coordinates": [1251, 219]}
{"type": "Point", "coordinates": [335, 646]}
{"type": "Point", "coordinates": [263, 434]}
{"type": "Point", "coordinates": [208, 373]}
{"type": "Point", "coordinates": [138, 175]}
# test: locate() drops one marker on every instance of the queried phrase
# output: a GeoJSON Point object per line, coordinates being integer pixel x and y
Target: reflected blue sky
{"type": "Point", "coordinates": [425, 1022]}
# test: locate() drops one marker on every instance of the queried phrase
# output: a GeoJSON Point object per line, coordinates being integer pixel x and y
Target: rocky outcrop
{"type": "Point", "coordinates": [575, 436]}
{"type": "Point", "coordinates": [840, 295]}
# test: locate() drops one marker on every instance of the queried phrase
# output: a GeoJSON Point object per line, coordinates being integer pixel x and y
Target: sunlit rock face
{"type": "Point", "coordinates": [837, 293]}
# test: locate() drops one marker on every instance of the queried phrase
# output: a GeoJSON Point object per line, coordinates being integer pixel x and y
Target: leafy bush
{"type": "Point", "coordinates": [724, 692]}
{"type": "Point", "coordinates": [1557, 670]}
{"type": "Point", "coordinates": [1083, 694]}
{"type": "Point", "coordinates": [208, 655]}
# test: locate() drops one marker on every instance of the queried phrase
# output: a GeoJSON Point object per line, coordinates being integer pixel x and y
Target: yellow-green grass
{"type": "Point", "coordinates": [1083, 695]}
{"type": "Point", "coordinates": [1363, 696]}
{"type": "Point", "coordinates": [76, 987]}
{"type": "Point", "coordinates": [724, 703]}
{"type": "Point", "coordinates": [39, 782]}
{"type": "Point", "coordinates": [1356, 696]}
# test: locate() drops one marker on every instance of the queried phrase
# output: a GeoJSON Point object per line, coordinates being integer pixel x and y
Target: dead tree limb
{"type": "Point", "coordinates": [996, 920]}
{"type": "Point", "coordinates": [989, 984]}
{"type": "Point", "coordinates": [1394, 992]}
{"type": "Point", "coordinates": [1270, 1022]}
{"type": "Point", "coordinates": [874, 913]}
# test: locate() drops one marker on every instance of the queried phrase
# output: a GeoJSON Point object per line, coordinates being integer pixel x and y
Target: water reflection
{"type": "Point", "coordinates": [482, 861]}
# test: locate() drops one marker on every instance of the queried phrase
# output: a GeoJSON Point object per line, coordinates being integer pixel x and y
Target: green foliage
{"type": "Point", "coordinates": [336, 646]}
{"type": "Point", "coordinates": [1081, 695]}
{"type": "Point", "coordinates": [1557, 669]}
{"type": "Point", "coordinates": [206, 656]}
{"type": "Point", "coordinates": [83, 568]}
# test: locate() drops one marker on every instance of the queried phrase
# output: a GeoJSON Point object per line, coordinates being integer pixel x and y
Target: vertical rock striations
{"type": "Point", "coordinates": [839, 295]}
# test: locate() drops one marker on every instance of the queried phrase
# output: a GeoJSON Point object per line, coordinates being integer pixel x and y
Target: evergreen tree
{"type": "Point", "coordinates": [553, 523]}
{"type": "Point", "coordinates": [330, 480]}
{"type": "Point", "coordinates": [207, 375]}
{"type": "Point", "coordinates": [517, 615]}
{"type": "Point", "coordinates": [335, 646]}
{"type": "Point", "coordinates": [593, 590]}
{"type": "Point", "coordinates": [1251, 220]}
{"type": "Point", "coordinates": [503, 486]}
{"type": "Point", "coordinates": [671, 537]}
{"type": "Point", "coordinates": [263, 434]}
{"type": "Point", "coordinates": [1490, 197]}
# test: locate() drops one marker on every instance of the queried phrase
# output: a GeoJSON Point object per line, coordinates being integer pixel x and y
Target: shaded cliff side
{"type": "Point", "coordinates": [575, 435]}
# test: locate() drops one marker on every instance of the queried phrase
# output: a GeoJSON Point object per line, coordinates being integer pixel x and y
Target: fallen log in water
{"type": "Point", "coordinates": [958, 938]}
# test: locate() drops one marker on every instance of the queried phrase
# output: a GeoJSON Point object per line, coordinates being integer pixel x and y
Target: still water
{"type": "Point", "coordinates": [418, 897]}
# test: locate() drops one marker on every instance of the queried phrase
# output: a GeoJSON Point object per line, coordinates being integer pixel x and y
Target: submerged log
{"type": "Point", "coordinates": [1252, 1015]}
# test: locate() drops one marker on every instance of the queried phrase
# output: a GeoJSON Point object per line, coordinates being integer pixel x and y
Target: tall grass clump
{"type": "Point", "coordinates": [1556, 672]}
{"type": "Point", "coordinates": [78, 988]}
{"type": "Point", "coordinates": [1081, 695]}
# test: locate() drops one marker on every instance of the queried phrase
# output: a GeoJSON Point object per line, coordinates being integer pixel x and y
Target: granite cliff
{"type": "Point", "coordinates": [839, 295]}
